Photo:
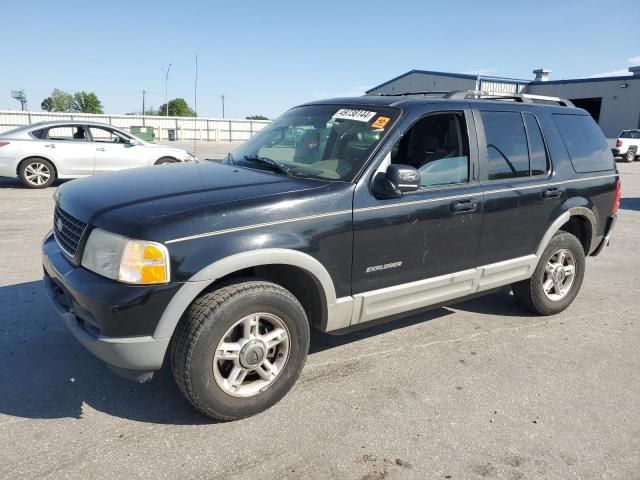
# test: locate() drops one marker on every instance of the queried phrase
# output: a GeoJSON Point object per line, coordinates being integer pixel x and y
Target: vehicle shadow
{"type": "Point", "coordinates": [45, 373]}
{"type": "Point", "coordinates": [630, 203]}
{"type": "Point", "coordinates": [6, 182]}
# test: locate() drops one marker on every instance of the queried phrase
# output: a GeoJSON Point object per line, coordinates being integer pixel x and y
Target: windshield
{"type": "Point", "coordinates": [329, 142]}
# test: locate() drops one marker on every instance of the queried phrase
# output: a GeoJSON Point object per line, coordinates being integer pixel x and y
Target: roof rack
{"type": "Point", "coordinates": [520, 97]}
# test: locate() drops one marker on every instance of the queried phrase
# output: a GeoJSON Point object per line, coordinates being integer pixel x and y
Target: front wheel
{"type": "Point", "coordinates": [630, 156]}
{"type": "Point", "coordinates": [37, 173]}
{"type": "Point", "coordinates": [166, 161]}
{"type": "Point", "coordinates": [239, 349]}
{"type": "Point", "coordinates": [556, 280]}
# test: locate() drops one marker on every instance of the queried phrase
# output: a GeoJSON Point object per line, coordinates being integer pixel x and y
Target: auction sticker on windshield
{"type": "Point", "coordinates": [351, 114]}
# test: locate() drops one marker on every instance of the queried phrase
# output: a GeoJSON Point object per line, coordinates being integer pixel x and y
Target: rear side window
{"type": "Point", "coordinates": [537, 152]}
{"type": "Point", "coordinates": [585, 143]}
{"type": "Point", "coordinates": [507, 151]}
{"type": "Point", "coordinates": [631, 134]}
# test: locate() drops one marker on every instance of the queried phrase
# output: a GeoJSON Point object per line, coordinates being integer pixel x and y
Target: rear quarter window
{"type": "Point", "coordinates": [585, 143]}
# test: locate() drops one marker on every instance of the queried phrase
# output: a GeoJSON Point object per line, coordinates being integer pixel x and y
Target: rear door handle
{"type": "Point", "coordinates": [551, 193]}
{"type": "Point", "coordinates": [50, 145]}
{"type": "Point", "coordinates": [100, 149]}
{"type": "Point", "coordinates": [458, 206]}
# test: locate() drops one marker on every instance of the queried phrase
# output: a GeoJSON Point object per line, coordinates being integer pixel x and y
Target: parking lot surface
{"type": "Point", "coordinates": [478, 390]}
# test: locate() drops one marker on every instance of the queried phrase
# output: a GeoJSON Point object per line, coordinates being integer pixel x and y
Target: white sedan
{"type": "Point", "coordinates": [40, 153]}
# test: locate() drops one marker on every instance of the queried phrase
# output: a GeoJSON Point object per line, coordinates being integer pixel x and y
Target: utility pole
{"type": "Point", "coordinates": [143, 107]}
{"type": "Point", "coordinates": [222, 97]}
{"type": "Point", "coordinates": [166, 81]}
{"type": "Point", "coordinates": [195, 105]}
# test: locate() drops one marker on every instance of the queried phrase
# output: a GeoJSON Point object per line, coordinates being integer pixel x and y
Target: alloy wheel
{"type": "Point", "coordinates": [37, 173]}
{"type": "Point", "coordinates": [251, 355]}
{"type": "Point", "coordinates": [559, 274]}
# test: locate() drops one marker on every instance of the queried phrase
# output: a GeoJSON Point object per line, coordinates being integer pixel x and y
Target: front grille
{"type": "Point", "coordinates": [67, 231]}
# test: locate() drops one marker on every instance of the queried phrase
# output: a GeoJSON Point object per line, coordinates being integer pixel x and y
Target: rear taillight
{"type": "Point", "coordinates": [2, 144]}
{"type": "Point", "coordinates": [616, 198]}
{"type": "Point", "coordinates": [618, 143]}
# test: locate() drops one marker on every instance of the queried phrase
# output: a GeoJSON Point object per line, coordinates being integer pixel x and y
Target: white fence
{"type": "Point", "coordinates": [185, 128]}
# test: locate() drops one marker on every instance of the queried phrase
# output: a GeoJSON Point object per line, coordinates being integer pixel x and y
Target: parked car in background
{"type": "Point", "coordinates": [40, 153]}
{"type": "Point", "coordinates": [628, 145]}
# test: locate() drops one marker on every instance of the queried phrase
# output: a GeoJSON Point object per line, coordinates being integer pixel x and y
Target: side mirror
{"type": "Point", "coordinates": [133, 141]}
{"type": "Point", "coordinates": [398, 179]}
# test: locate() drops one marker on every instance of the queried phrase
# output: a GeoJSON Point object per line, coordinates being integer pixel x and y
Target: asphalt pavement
{"type": "Point", "coordinates": [478, 390]}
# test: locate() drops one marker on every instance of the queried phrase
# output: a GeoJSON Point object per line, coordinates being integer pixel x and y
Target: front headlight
{"type": "Point", "coordinates": [126, 260]}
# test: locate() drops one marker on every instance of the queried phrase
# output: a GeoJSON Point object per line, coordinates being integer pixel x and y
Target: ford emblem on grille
{"type": "Point", "coordinates": [59, 225]}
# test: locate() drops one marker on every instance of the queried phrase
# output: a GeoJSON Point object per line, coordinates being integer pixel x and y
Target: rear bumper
{"type": "Point", "coordinates": [8, 166]}
{"type": "Point", "coordinates": [611, 222]}
{"type": "Point", "coordinates": [95, 309]}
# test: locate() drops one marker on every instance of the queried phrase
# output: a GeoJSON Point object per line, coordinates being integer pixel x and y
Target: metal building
{"type": "Point", "coordinates": [614, 102]}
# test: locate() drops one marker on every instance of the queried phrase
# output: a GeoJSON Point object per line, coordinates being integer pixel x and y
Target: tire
{"type": "Point", "coordinates": [531, 295]}
{"type": "Point", "coordinates": [166, 160]}
{"type": "Point", "coordinates": [630, 156]}
{"type": "Point", "coordinates": [206, 327]}
{"type": "Point", "coordinates": [37, 173]}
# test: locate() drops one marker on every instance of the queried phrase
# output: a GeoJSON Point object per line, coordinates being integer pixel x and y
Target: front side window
{"type": "Point", "coordinates": [329, 142]}
{"type": "Point", "coordinates": [67, 133]}
{"type": "Point", "coordinates": [507, 151]}
{"type": "Point", "coordinates": [438, 147]}
{"type": "Point", "coordinates": [106, 135]}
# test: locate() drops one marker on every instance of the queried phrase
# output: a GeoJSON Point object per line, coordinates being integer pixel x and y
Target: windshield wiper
{"type": "Point", "coordinates": [277, 166]}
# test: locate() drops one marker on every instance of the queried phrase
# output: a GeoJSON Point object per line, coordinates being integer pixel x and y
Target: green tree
{"type": "Point", "coordinates": [257, 117]}
{"type": "Point", "coordinates": [178, 107]}
{"type": "Point", "coordinates": [86, 102]}
{"type": "Point", "coordinates": [58, 101]}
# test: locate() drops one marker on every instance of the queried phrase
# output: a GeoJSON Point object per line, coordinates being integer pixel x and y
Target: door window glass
{"type": "Point", "coordinates": [106, 135]}
{"type": "Point", "coordinates": [67, 133]}
{"type": "Point", "coordinates": [438, 147]}
{"type": "Point", "coordinates": [507, 152]}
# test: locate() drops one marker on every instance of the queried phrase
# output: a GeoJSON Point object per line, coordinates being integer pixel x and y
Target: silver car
{"type": "Point", "coordinates": [40, 153]}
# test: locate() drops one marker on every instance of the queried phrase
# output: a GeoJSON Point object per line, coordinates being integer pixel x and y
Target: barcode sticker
{"type": "Point", "coordinates": [357, 115]}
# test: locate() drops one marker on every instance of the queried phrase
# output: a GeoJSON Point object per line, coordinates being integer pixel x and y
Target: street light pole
{"type": "Point", "coordinates": [143, 107]}
{"type": "Point", "coordinates": [222, 97]}
{"type": "Point", "coordinates": [166, 97]}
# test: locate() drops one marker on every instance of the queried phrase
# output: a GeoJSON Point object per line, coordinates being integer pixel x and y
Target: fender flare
{"type": "Point", "coordinates": [564, 218]}
{"type": "Point", "coordinates": [225, 266]}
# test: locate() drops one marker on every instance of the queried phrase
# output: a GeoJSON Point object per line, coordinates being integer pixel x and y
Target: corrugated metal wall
{"type": "Point", "coordinates": [620, 107]}
{"type": "Point", "coordinates": [420, 82]}
{"type": "Point", "coordinates": [205, 129]}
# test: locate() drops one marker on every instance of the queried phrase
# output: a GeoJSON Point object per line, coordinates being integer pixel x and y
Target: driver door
{"type": "Point", "coordinates": [419, 249]}
{"type": "Point", "coordinates": [114, 152]}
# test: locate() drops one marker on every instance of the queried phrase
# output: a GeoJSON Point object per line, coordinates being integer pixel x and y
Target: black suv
{"type": "Point", "coordinates": [340, 212]}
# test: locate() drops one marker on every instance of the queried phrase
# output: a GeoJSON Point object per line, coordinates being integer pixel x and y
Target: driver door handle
{"type": "Point", "coordinates": [469, 205]}
{"type": "Point", "coordinates": [100, 149]}
{"type": "Point", "coordinates": [551, 193]}
{"type": "Point", "coordinates": [50, 145]}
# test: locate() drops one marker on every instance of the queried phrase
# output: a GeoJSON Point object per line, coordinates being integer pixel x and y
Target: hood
{"type": "Point", "coordinates": [147, 194]}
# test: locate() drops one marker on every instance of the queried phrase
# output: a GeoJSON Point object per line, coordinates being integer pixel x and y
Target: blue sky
{"type": "Point", "coordinates": [268, 56]}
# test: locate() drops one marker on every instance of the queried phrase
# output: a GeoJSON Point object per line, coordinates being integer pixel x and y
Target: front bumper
{"type": "Point", "coordinates": [112, 320]}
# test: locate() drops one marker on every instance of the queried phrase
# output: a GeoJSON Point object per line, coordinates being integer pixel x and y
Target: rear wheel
{"type": "Point", "coordinates": [630, 156]}
{"type": "Point", "coordinates": [556, 280]}
{"type": "Point", "coordinates": [36, 173]}
{"type": "Point", "coordinates": [239, 349]}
